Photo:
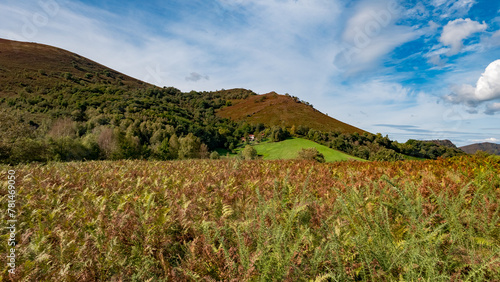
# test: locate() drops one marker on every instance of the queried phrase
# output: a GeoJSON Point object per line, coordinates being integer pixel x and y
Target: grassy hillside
{"type": "Point", "coordinates": [289, 149]}
{"type": "Point", "coordinates": [202, 220]}
{"type": "Point", "coordinates": [274, 109]}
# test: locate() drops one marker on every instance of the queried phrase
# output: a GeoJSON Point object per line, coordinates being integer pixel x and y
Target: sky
{"type": "Point", "coordinates": [407, 69]}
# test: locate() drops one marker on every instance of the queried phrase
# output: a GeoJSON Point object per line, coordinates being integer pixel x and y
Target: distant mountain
{"type": "Point", "coordinates": [491, 148]}
{"type": "Point", "coordinates": [282, 110]}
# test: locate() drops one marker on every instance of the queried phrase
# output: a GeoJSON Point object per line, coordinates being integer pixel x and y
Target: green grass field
{"type": "Point", "coordinates": [289, 149]}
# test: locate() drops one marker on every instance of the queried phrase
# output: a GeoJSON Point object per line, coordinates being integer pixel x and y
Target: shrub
{"type": "Point", "coordinates": [249, 153]}
{"type": "Point", "coordinates": [214, 155]}
{"type": "Point", "coordinates": [311, 154]}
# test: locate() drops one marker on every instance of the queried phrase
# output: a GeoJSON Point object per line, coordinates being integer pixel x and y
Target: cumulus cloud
{"type": "Point", "coordinates": [456, 31]}
{"type": "Point", "coordinates": [487, 88]}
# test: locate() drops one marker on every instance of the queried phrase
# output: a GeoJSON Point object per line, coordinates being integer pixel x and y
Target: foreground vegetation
{"type": "Point", "coordinates": [257, 220]}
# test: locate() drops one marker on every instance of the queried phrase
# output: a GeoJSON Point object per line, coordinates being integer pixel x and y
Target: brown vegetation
{"type": "Point", "coordinates": [233, 220]}
{"type": "Point", "coordinates": [282, 110]}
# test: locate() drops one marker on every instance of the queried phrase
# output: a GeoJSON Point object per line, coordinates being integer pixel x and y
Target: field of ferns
{"type": "Point", "coordinates": [234, 220]}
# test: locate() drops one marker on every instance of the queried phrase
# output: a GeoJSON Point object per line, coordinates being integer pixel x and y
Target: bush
{"type": "Point", "coordinates": [214, 155]}
{"type": "Point", "coordinates": [249, 153]}
{"type": "Point", "coordinates": [311, 154]}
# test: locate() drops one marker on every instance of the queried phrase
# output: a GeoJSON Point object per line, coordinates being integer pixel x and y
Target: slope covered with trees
{"type": "Point", "coordinates": [55, 105]}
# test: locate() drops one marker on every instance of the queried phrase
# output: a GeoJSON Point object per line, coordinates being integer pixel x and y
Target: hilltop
{"type": "Point", "coordinates": [31, 67]}
{"type": "Point", "coordinates": [272, 109]}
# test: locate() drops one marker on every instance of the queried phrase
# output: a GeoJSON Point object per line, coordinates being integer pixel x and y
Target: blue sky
{"type": "Point", "coordinates": [410, 69]}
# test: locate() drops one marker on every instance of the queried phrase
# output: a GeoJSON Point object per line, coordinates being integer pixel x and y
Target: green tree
{"type": "Point", "coordinates": [128, 146]}
{"type": "Point", "coordinates": [163, 151]}
{"type": "Point", "coordinates": [278, 134]}
{"type": "Point", "coordinates": [189, 147]}
{"type": "Point", "coordinates": [174, 145]}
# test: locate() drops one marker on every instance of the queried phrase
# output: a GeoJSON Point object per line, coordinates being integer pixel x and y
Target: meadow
{"type": "Point", "coordinates": [289, 148]}
{"type": "Point", "coordinates": [234, 220]}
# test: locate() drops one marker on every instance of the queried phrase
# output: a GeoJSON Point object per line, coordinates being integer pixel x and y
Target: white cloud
{"type": "Point", "coordinates": [452, 8]}
{"type": "Point", "coordinates": [488, 85]}
{"type": "Point", "coordinates": [289, 16]}
{"type": "Point", "coordinates": [490, 42]}
{"type": "Point", "coordinates": [434, 55]}
{"type": "Point", "coordinates": [487, 88]}
{"type": "Point", "coordinates": [461, 6]}
{"type": "Point", "coordinates": [371, 33]}
{"type": "Point", "coordinates": [456, 31]}
{"type": "Point", "coordinates": [496, 34]}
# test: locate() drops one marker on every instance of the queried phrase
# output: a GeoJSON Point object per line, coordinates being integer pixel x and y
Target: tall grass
{"type": "Point", "coordinates": [258, 221]}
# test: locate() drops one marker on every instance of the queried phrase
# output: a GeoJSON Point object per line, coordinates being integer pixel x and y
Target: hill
{"type": "Point", "coordinates": [30, 67]}
{"type": "Point", "coordinates": [282, 110]}
{"type": "Point", "coordinates": [490, 148]}
{"type": "Point", "coordinates": [58, 106]}
{"type": "Point", "coordinates": [288, 149]}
